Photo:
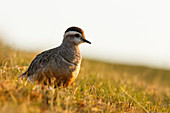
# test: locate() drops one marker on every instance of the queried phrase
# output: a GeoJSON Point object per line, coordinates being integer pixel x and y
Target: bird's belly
{"type": "Point", "coordinates": [74, 75]}
{"type": "Point", "coordinates": [65, 73]}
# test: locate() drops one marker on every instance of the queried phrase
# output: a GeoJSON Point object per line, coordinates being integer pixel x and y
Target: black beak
{"type": "Point", "coordinates": [86, 41]}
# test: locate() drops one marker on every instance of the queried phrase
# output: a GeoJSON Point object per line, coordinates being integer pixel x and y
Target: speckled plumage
{"type": "Point", "coordinates": [61, 63]}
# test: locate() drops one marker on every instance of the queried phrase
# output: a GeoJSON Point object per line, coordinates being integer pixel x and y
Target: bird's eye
{"type": "Point", "coordinates": [77, 35]}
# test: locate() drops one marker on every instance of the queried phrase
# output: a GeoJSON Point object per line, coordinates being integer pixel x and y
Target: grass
{"type": "Point", "coordinates": [100, 87]}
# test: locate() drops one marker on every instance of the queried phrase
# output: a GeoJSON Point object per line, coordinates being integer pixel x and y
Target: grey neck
{"type": "Point", "coordinates": [70, 52]}
{"type": "Point", "coordinates": [67, 44]}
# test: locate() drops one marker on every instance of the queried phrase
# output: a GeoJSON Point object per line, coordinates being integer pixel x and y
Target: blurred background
{"type": "Point", "coordinates": [125, 31]}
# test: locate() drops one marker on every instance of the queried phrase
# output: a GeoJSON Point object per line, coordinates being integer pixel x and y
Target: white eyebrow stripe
{"type": "Point", "coordinates": [71, 32]}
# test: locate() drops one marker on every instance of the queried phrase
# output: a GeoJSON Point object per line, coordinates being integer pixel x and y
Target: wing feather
{"type": "Point", "coordinates": [39, 62]}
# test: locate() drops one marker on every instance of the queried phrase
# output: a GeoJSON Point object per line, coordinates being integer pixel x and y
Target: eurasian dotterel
{"type": "Point", "coordinates": [61, 63]}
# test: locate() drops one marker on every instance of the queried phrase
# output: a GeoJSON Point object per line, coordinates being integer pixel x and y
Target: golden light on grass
{"type": "Point", "coordinates": [100, 87]}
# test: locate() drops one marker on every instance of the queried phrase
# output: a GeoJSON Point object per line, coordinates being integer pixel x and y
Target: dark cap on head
{"type": "Point", "coordinates": [77, 29]}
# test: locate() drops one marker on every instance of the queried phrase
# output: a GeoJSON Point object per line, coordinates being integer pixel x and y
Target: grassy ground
{"type": "Point", "coordinates": [100, 87]}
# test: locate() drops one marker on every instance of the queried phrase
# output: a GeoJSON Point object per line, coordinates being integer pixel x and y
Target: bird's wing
{"type": "Point", "coordinates": [40, 61]}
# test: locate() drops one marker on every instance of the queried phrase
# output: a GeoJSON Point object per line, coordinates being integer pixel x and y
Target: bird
{"type": "Point", "coordinates": [61, 64]}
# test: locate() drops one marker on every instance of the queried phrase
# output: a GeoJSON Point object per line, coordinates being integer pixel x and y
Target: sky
{"type": "Point", "coordinates": [121, 31]}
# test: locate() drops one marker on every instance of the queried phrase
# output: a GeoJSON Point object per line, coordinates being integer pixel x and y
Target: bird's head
{"type": "Point", "coordinates": [75, 35]}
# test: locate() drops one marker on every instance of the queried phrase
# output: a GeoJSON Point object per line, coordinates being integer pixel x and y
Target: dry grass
{"type": "Point", "coordinates": [100, 87]}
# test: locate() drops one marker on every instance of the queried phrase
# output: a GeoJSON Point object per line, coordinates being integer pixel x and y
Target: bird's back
{"type": "Point", "coordinates": [60, 63]}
